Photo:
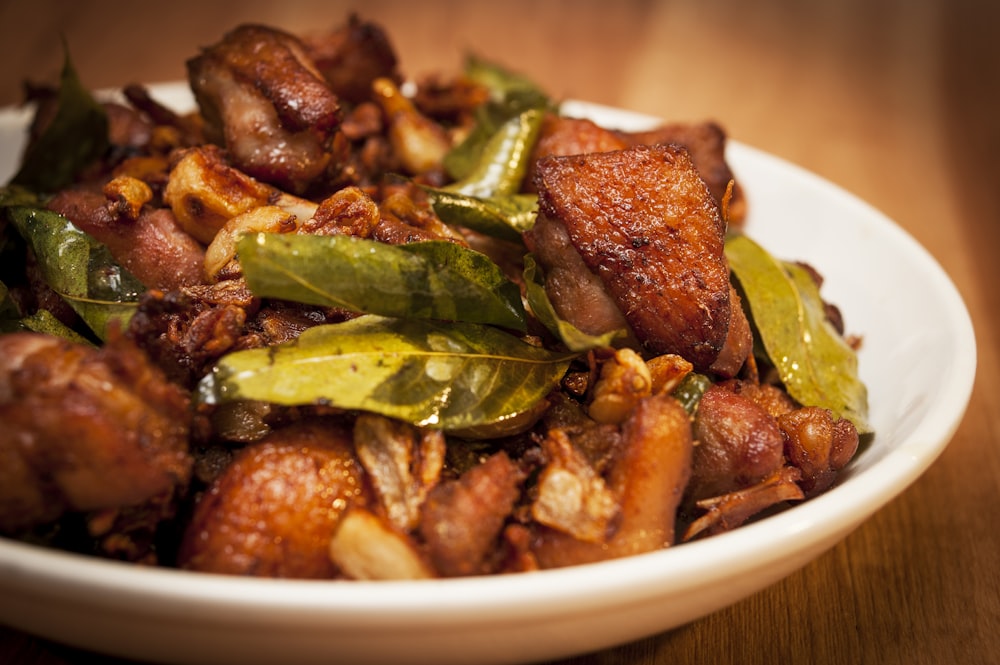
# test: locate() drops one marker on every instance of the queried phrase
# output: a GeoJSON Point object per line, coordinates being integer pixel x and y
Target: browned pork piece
{"type": "Point", "coordinates": [352, 56]}
{"type": "Point", "coordinates": [562, 135]}
{"type": "Point", "coordinates": [146, 240]}
{"type": "Point", "coordinates": [276, 506]}
{"type": "Point", "coordinates": [646, 476]}
{"type": "Point", "coordinates": [706, 142]}
{"type": "Point", "coordinates": [263, 99]}
{"type": "Point", "coordinates": [651, 239]}
{"type": "Point", "coordinates": [462, 519]}
{"type": "Point", "coordinates": [85, 429]}
{"type": "Point", "coordinates": [739, 444]}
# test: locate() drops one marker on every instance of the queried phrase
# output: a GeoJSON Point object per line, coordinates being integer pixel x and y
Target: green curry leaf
{"type": "Point", "coordinates": [504, 217]}
{"type": "Point", "coordinates": [814, 362]}
{"type": "Point", "coordinates": [78, 268]}
{"type": "Point", "coordinates": [503, 160]}
{"type": "Point", "coordinates": [75, 138]}
{"type": "Point", "coordinates": [510, 96]}
{"type": "Point", "coordinates": [424, 280]}
{"type": "Point", "coordinates": [447, 376]}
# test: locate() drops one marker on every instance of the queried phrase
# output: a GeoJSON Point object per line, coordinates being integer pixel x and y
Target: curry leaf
{"type": "Point", "coordinates": [510, 95]}
{"type": "Point", "coordinates": [502, 82]}
{"type": "Point", "coordinates": [502, 161]}
{"type": "Point", "coordinates": [10, 315]}
{"type": "Point", "coordinates": [504, 217]}
{"type": "Point", "coordinates": [574, 338]}
{"type": "Point", "coordinates": [424, 280]}
{"type": "Point", "coordinates": [814, 362]}
{"type": "Point", "coordinates": [78, 268]}
{"type": "Point", "coordinates": [447, 376]}
{"type": "Point", "coordinates": [44, 321]}
{"type": "Point", "coordinates": [76, 137]}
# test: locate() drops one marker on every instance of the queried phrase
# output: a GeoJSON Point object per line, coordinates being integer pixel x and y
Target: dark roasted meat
{"type": "Point", "coordinates": [351, 57]}
{"type": "Point", "coordinates": [462, 519]}
{"type": "Point", "coordinates": [147, 241]}
{"type": "Point", "coordinates": [85, 429]}
{"type": "Point", "coordinates": [706, 143]}
{"type": "Point", "coordinates": [274, 509]}
{"type": "Point", "coordinates": [263, 99]}
{"type": "Point", "coordinates": [645, 223]}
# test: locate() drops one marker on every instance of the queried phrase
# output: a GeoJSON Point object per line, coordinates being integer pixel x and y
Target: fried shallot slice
{"type": "Point", "coordinates": [728, 511]}
{"type": "Point", "coordinates": [402, 463]}
{"type": "Point", "coordinates": [364, 547]}
{"type": "Point", "coordinates": [645, 223]}
{"type": "Point", "coordinates": [85, 429]}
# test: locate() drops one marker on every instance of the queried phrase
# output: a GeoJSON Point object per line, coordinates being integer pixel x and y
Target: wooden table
{"type": "Point", "coordinates": [898, 101]}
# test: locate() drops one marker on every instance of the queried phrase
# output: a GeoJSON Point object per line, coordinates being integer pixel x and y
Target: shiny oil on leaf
{"type": "Point", "coordinates": [447, 376]}
{"type": "Point", "coordinates": [78, 268]}
{"type": "Point", "coordinates": [814, 362]}
{"type": "Point", "coordinates": [424, 280]}
{"type": "Point", "coordinates": [506, 217]}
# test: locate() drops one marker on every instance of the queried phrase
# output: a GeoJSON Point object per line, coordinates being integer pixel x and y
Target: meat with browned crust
{"type": "Point", "coordinates": [85, 429]}
{"type": "Point", "coordinates": [644, 221]}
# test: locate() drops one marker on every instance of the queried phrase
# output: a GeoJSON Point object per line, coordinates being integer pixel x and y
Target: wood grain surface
{"type": "Point", "coordinates": [897, 101]}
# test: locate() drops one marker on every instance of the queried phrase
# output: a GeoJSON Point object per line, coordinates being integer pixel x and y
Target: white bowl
{"type": "Point", "coordinates": [918, 361]}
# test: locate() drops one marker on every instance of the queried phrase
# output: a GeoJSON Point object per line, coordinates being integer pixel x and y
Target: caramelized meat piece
{"type": "Point", "coordinates": [150, 245]}
{"type": "Point", "coordinates": [462, 519]}
{"type": "Point", "coordinates": [561, 136]}
{"type": "Point", "coordinates": [648, 475]}
{"type": "Point", "coordinates": [739, 444]}
{"type": "Point", "coordinates": [187, 330]}
{"type": "Point", "coordinates": [275, 508]}
{"type": "Point", "coordinates": [85, 429]}
{"type": "Point", "coordinates": [263, 99]}
{"type": "Point", "coordinates": [644, 222]}
{"type": "Point", "coordinates": [353, 56]}
{"type": "Point", "coordinates": [577, 294]}
{"type": "Point", "coordinates": [706, 143]}
{"type": "Point", "coordinates": [819, 444]}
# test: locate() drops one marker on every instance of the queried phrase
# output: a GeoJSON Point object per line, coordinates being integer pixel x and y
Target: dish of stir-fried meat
{"type": "Point", "coordinates": [338, 323]}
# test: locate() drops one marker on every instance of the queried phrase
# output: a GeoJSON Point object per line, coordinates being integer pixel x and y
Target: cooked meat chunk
{"type": "Point", "coordinates": [275, 508]}
{"type": "Point", "coordinates": [352, 56]}
{"type": "Point", "coordinates": [263, 99]}
{"type": "Point", "coordinates": [648, 474]}
{"type": "Point", "coordinates": [186, 330]}
{"type": "Point", "coordinates": [147, 241]}
{"type": "Point", "coordinates": [577, 294]}
{"type": "Point", "coordinates": [645, 223]}
{"type": "Point", "coordinates": [739, 444]}
{"type": "Point", "coordinates": [462, 519]}
{"type": "Point", "coordinates": [706, 143]}
{"type": "Point", "coordinates": [561, 135]}
{"type": "Point", "coordinates": [85, 429]}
